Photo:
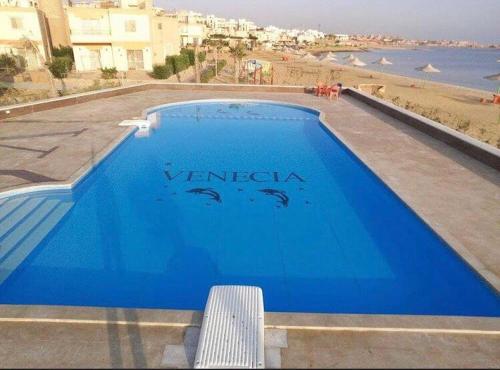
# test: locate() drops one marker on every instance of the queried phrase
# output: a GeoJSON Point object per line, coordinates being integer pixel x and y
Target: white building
{"type": "Point", "coordinates": [105, 38]}
{"type": "Point", "coordinates": [118, 37]}
{"type": "Point", "coordinates": [192, 27]}
{"type": "Point", "coordinates": [340, 37]}
{"type": "Point", "coordinates": [309, 36]}
{"type": "Point", "coordinates": [23, 32]}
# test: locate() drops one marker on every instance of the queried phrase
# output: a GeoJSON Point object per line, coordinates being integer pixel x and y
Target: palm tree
{"type": "Point", "coordinates": [216, 45]}
{"type": "Point", "coordinates": [238, 53]}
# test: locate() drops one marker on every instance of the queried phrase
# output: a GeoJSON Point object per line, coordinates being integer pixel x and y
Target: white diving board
{"type": "Point", "coordinates": [232, 333]}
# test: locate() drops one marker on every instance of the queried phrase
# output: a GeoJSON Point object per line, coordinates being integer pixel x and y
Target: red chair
{"type": "Point", "coordinates": [334, 92]}
{"type": "Point", "coordinates": [318, 89]}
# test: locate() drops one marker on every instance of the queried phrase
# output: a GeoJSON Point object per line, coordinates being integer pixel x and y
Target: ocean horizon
{"type": "Point", "coordinates": [464, 67]}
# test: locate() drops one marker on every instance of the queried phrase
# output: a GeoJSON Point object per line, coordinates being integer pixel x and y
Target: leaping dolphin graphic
{"type": "Point", "coordinates": [207, 191]}
{"type": "Point", "coordinates": [280, 194]}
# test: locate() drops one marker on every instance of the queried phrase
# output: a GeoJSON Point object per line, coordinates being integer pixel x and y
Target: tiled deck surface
{"type": "Point", "coordinates": [52, 345]}
{"type": "Point", "coordinates": [458, 196]}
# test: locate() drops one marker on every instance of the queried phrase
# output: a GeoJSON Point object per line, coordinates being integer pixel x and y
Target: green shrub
{"type": "Point", "coordinates": [162, 72]}
{"type": "Point", "coordinates": [190, 54]}
{"type": "Point", "coordinates": [109, 73]}
{"type": "Point", "coordinates": [12, 64]}
{"type": "Point", "coordinates": [202, 56]}
{"type": "Point", "coordinates": [60, 67]}
{"type": "Point", "coordinates": [178, 62]}
{"type": "Point", "coordinates": [63, 51]}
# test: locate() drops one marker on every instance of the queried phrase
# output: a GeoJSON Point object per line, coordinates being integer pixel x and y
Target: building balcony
{"type": "Point", "coordinates": [90, 31]}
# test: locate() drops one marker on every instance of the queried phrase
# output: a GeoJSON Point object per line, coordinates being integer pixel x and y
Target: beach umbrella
{"type": "Point", "coordinates": [494, 78]}
{"type": "Point", "coordinates": [428, 69]}
{"type": "Point", "coordinates": [309, 57]}
{"type": "Point", "coordinates": [350, 57]}
{"type": "Point", "coordinates": [356, 62]}
{"type": "Point", "coordinates": [383, 62]}
{"type": "Point", "coordinates": [328, 60]}
{"type": "Point", "coordinates": [329, 55]}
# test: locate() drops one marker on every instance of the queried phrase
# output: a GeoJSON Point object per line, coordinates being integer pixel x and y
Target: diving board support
{"type": "Point", "coordinates": [232, 333]}
{"type": "Point", "coordinates": [143, 126]}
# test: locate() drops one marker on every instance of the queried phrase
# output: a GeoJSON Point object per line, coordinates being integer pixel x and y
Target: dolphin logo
{"type": "Point", "coordinates": [280, 194]}
{"type": "Point", "coordinates": [206, 191]}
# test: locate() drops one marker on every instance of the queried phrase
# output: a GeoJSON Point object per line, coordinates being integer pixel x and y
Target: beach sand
{"type": "Point", "coordinates": [457, 107]}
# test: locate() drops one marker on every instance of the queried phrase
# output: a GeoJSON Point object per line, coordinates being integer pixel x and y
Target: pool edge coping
{"type": "Point", "coordinates": [78, 315]}
{"type": "Point", "coordinates": [77, 177]}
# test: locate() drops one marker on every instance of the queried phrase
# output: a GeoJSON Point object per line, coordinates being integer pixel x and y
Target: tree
{"type": "Point", "coordinates": [238, 53]}
{"type": "Point", "coordinates": [63, 51]}
{"type": "Point", "coordinates": [11, 65]}
{"type": "Point", "coordinates": [60, 67]}
{"type": "Point", "coordinates": [216, 44]}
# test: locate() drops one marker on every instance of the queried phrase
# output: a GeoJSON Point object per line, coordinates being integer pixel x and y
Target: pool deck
{"type": "Point", "coordinates": [459, 197]}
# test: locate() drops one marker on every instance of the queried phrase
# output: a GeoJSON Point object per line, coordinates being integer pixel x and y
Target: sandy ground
{"type": "Point", "coordinates": [456, 107]}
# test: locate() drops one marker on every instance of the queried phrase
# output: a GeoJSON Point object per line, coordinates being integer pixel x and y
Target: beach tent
{"type": "Point", "coordinates": [356, 62]}
{"type": "Point", "coordinates": [382, 61]}
{"type": "Point", "coordinates": [428, 69]}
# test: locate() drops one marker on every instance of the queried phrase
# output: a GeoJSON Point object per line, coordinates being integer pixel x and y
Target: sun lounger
{"type": "Point", "coordinates": [232, 333]}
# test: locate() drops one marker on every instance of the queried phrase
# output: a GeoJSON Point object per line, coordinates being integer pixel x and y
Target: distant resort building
{"type": "Point", "coordinates": [340, 37]}
{"type": "Point", "coordinates": [124, 34]}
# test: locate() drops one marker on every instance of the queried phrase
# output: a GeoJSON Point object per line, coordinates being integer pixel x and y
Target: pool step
{"type": "Point", "coordinates": [18, 214]}
{"type": "Point", "coordinates": [8, 206]}
{"type": "Point", "coordinates": [25, 227]}
{"type": "Point", "coordinates": [232, 333]}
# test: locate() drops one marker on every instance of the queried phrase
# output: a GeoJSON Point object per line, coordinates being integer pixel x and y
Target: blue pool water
{"type": "Point", "coordinates": [232, 193]}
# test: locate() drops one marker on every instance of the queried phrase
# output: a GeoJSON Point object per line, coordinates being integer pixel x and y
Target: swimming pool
{"type": "Point", "coordinates": [232, 193]}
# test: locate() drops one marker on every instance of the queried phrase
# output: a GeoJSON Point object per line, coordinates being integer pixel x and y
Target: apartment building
{"type": "Point", "coordinates": [105, 37]}
{"type": "Point", "coordinates": [166, 36]}
{"type": "Point", "coordinates": [24, 32]}
{"type": "Point", "coordinates": [192, 27]}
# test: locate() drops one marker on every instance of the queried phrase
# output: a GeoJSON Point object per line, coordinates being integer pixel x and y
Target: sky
{"type": "Point", "coordinates": [476, 20]}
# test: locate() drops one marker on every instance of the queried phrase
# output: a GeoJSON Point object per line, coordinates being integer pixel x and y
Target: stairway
{"type": "Point", "coordinates": [24, 222]}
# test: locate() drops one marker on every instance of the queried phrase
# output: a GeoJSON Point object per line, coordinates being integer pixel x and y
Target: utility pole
{"type": "Point", "coordinates": [196, 63]}
{"type": "Point", "coordinates": [216, 59]}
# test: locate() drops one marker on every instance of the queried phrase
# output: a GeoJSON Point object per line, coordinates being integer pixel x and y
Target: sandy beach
{"type": "Point", "coordinates": [457, 107]}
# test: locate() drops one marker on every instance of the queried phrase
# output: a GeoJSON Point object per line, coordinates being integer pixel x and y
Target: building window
{"type": "Point", "coordinates": [16, 23]}
{"type": "Point", "coordinates": [135, 59]}
{"type": "Point", "coordinates": [160, 26]}
{"type": "Point", "coordinates": [130, 25]}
